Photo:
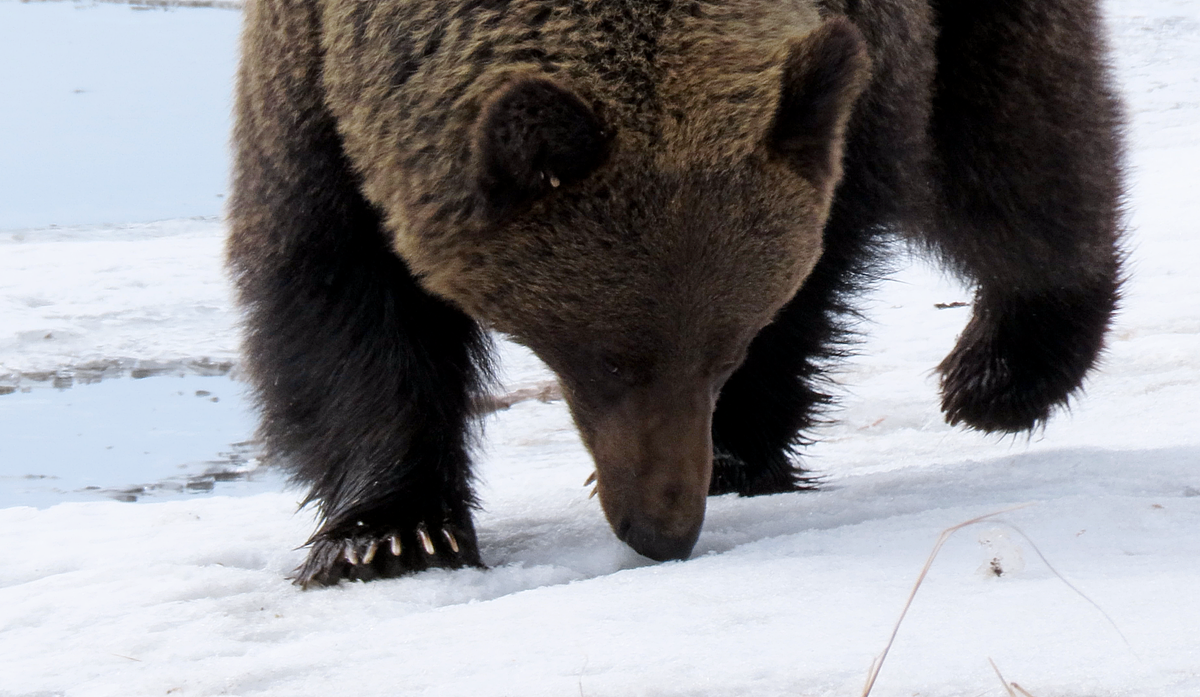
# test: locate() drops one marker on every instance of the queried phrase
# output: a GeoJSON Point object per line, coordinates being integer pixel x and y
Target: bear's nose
{"type": "Point", "coordinates": [653, 454]}
{"type": "Point", "coordinates": [659, 542]}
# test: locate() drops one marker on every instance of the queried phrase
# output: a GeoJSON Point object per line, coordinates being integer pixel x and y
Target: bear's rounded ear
{"type": "Point", "coordinates": [531, 137]}
{"type": "Point", "coordinates": [823, 75]}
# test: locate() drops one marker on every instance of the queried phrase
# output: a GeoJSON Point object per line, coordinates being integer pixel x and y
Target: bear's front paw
{"type": "Point", "coordinates": [981, 389]}
{"type": "Point", "coordinates": [369, 553]}
{"type": "Point", "coordinates": [999, 380]}
{"type": "Point", "coordinates": [1020, 358]}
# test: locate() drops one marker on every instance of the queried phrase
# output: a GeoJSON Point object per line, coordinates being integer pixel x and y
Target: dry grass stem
{"type": "Point", "coordinates": [546, 391]}
{"type": "Point", "coordinates": [877, 665]}
{"type": "Point", "coordinates": [1070, 585]}
{"type": "Point", "coordinates": [1007, 687]}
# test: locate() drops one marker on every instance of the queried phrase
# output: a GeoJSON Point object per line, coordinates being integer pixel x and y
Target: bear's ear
{"type": "Point", "coordinates": [531, 137]}
{"type": "Point", "coordinates": [822, 77]}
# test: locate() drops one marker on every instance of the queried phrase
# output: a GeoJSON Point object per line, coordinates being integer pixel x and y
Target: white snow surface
{"type": "Point", "coordinates": [785, 595]}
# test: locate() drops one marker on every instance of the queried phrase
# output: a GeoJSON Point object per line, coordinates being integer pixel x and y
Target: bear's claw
{"type": "Point", "coordinates": [369, 555]}
{"type": "Point", "coordinates": [426, 543]}
{"type": "Point", "coordinates": [366, 557]}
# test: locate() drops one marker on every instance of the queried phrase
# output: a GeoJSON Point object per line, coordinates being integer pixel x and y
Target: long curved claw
{"type": "Point", "coordinates": [369, 555]}
{"type": "Point", "coordinates": [450, 539]}
{"type": "Point", "coordinates": [426, 542]}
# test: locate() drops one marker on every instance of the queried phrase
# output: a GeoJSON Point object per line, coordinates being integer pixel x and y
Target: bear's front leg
{"type": "Point", "coordinates": [1020, 357]}
{"type": "Point", "coordinates": [366, 387]}
{"type": "Point", "coordinates": [777, 395]}
{"type": "Point", "coordinates": [364, 381]}
{"type": "Point", "coordinates": [1027, 161]}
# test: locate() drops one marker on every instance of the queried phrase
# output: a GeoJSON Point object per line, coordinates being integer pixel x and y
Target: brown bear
{"type": "Point", "coordinates": [671, 202]}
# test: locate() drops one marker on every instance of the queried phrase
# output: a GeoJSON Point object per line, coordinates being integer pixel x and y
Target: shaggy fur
{"type": "Point", "coordinates": [667, 200]}
{"type": "Point", "coordinates": [1028, 203]}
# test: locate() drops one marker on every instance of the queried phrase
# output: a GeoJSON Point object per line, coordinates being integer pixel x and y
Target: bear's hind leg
{"type": "Point", "coordinates": [1026, 128]}
{"type": "Point", "coordinates": [776, 396]}
{"type": "Point", "coordinates": [768, 403]}
{"type": "Point", "coordinates": [365, 382]}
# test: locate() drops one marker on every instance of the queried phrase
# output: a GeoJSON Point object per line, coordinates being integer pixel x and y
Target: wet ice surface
{"type": "Point", "coordinates": [129, 439]}
{"type": "Point", "coordinates": [123, 116]}
{"type": "Point", "coordinates": [92, 302]}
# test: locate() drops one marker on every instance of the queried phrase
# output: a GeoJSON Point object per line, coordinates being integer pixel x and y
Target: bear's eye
{"type": "Point", "coordinates": [619, 370]}
{"type": "Point", "coordinates": [610, 366]}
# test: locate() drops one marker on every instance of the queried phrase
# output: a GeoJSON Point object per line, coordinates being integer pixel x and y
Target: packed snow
{"type": "Point", "coordinates": [114, 322]}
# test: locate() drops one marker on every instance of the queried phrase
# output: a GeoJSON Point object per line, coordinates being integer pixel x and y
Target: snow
{"type": "Point", "coordinates": [105, 297]}
{"type": "Point", "coordinates": [186, 593]}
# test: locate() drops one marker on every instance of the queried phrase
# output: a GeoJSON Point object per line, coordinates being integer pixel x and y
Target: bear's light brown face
{"type": "Point", "coordinates": [644, 301]}
{"type": "Point", "coordinates": [640, 274]}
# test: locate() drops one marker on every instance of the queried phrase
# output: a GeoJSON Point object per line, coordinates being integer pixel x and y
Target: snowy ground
{"type": "Point", "coordinates": [185, 593]}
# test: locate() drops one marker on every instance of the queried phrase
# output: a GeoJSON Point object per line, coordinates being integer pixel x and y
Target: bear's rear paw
{"type": "Point", "coordinates": [371, 553]}
{"type": "Point", "coordinates": [770, 475]}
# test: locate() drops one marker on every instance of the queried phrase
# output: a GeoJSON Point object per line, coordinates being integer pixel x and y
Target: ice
{"type": "Point", "coordinates": [124, 116]}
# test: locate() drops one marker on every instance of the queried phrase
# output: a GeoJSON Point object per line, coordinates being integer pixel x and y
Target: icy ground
{"type": "Point", "coordinates": [786, 595]}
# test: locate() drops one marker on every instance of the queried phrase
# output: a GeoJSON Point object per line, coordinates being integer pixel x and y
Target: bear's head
{"type": "Point", "coordinates": [640, 268]}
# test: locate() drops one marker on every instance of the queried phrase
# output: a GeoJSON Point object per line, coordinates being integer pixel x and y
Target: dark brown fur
{"type": "Point", "coordinates": [643, 192]}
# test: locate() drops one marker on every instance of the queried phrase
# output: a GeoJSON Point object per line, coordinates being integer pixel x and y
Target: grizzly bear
{"type": "Point", "coordinates": [673, 203]}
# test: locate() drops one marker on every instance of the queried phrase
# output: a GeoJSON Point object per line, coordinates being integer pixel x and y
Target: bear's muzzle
{"type": "Point", "coordinates": [653, 453]}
